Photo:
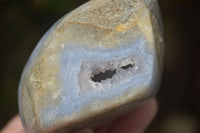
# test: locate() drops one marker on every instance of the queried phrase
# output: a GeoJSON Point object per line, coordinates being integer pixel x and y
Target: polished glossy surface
{"type": "Point", "coordinates": [98, 60]}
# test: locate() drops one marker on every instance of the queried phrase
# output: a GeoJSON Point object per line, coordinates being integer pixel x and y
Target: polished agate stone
{"type": "Point", "coordinates": [94, 63]}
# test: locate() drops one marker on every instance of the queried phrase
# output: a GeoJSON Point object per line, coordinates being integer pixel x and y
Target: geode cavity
{"type": "Point", "coordinates": [96, 61]}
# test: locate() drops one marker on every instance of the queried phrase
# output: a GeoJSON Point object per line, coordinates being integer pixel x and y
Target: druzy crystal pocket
{"type": "Point", "coordinates": [96, 61]}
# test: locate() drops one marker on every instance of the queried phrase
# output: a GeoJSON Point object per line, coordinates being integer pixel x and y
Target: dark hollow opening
{"type": "Point", "coordinates": [103, 75]}
{"type": "Point", "coordinates": [127, 66]}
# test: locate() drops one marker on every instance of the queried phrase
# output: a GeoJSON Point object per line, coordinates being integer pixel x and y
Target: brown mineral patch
{"type": "Point", "coordinates": [126, 26]}
{"type": "Point", "coordinates": [61, 28]}
{"type": "Point", "coordinates": [36, 76]}
{"type": "Point", "coordinates": [89, 23]}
